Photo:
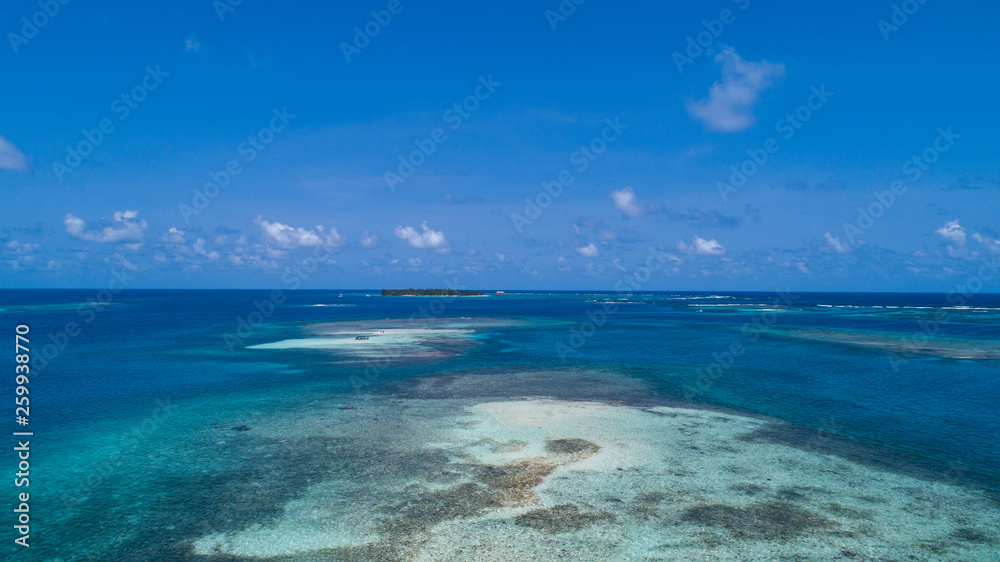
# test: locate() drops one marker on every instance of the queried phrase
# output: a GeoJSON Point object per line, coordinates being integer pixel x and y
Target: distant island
{"type": "Point", "coordinates": [430, 293]}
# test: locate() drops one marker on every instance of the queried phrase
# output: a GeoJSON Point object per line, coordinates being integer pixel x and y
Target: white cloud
{"type": "Point", "coordinates": [729, 103]}
{"type": "Point", "coordinates": [802, 267]}
{"type": "Point", "coordinates": [992, 244]}
{"type": "Point", "coordinates": [10, 157]}
{"type": "Point", "coordinates": [19, 248]}
{"type": "Point", "coordinates": [288, 237]}
{"type": "Point", "coordinates": [588, 251]}
{"type": "Point", "coordinates": [124, 228]}
{"type": "Point", "coordinates": [953, 233]}
{"type": "Point", "coordinates": [174, 236]}
{"type": "Point", "coordinates": [702, 246]}
{"type": "Point", "coordinates": [369, 240]}
{"type": "Point", "coordinates": [251, 261]}
{"type": "Point", "coordinates": [415, 262]}
{"type": "Point", "coordinates": [627, 203]}
{"type": "Point", "coordinates": [274, 254]}
{"type": "Point", "coordinates": [836, 245]}
{"type": "Point", "coordinates": [199, 248]}
{"type": "Point", "coordinates": [427, 239]}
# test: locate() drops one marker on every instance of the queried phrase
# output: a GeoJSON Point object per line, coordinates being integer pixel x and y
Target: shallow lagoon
{"type": "Point", "coordinates": [468, 437]}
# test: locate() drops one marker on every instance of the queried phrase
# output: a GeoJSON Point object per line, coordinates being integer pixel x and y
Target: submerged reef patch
{"type": "Point", "coordinates": [769, 520]}
{"type": "Point", "coordinates": [561, 518]}
{"type": "Point", "coordinates": [514, 484]}
{"type": "Point", "coordinates": [973, 535]}
{"type": "Point", "coordinates": [548, 480]}
{"type": "Point", "coordinates": [430, 508]}
{"type": "Point", "coordinates": [571, 447]}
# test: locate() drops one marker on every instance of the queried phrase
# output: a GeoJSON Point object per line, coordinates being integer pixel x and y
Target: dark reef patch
{"type": "Point", "coordinates": [770, 520]}
{"type": "Point", "coordinates": [791, 494]}
{"type": "Point", "coordinates": [571, 446]}
{"type": "Point", "coordinates": [850, 513]}
{"type": "Point", "coordinates": [871, 499]}
{"type": "Point", "coordinates": [562, 518]}
{"type": "Point", "coordinates": [973, 535]}
{"type": "Point", "coordinates": [648, 505]}
{"type": "Point", "coordinates": [430, 508]}
{"type": "Point", "coordinates": [748, 488]}
{"type": "Point", "coordinates": [514, 484]}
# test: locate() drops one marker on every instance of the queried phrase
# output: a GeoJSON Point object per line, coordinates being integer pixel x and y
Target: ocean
{"type": "Point", "coordinates": [215, 425]}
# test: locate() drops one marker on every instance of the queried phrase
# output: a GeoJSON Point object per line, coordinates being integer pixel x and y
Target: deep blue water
{"type": "Point", "coordinates": [911, 379]}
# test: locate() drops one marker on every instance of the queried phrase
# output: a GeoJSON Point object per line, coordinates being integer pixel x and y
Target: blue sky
{"type": "Point", "coordinates": [243, 144]}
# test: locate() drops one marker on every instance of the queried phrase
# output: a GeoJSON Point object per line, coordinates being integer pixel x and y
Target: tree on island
{"type": "Point", "coordinates": [430, 293]}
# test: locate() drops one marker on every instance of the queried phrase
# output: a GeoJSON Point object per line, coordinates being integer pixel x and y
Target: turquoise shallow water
{"type": "Point", "coordinates": [873, 416]}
